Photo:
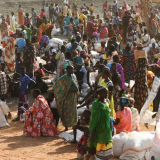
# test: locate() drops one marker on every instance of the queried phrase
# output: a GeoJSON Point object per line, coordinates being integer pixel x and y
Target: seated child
{"type": "Point", "coordinates": [123, 121]}
{"type": "Point", "coordinates": [52, 104]}
{"type": "Point", "coordinates": [135, 116]}
{"type": "Point", "coordinates": [83, 144]}
{"type": "Point", "coordinates": [82, 123]}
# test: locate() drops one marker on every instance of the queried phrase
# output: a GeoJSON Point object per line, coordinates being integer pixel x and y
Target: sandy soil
{"type": "Point", "coordinates": [13, 146]}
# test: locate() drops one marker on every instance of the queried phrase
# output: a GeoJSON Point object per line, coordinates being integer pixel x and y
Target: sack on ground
{"type": "Point", "coordinates": [4, 107]}
{"type": "Point", "coordinates": [118, 143]}
{"type": "Point", "coordinates": [131, 154]}
{"type": "Point", "coordinates": [3, 122]}
{"type": "Point", "coordinates": [138, 142]}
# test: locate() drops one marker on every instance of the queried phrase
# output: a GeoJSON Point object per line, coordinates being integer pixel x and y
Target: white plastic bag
{"type": "Point", "coordinates": [118, 143]}
{"type": "Point", "coordinates": [3, 122]}
{"type": "Point", "coordinates": [4, 107]}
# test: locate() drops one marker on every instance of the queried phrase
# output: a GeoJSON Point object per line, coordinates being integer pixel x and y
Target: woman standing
{"type": "Point", "coordinates": [39, 119]}
{"type": "Point", "coordinates": [128, 64]}
{"type": "Point", "coordinates": [141, 88]}
{"type": "Point", "coordinates": [66, 91]}
{"type": "Point", "coordinates": [12, 22]}
{"type": "Point", "coordinates": [100, 126]}
{"type": "Point", "coordinates": [60, 62]}
{"type": "Point", "coordinates": [28, 57]}
{"type": "Point", "coordinates": [20, 16]}
{"type": "Point", "coordinates": [4, 28]}
{"type": "Point", "coordinates": [42, 28]}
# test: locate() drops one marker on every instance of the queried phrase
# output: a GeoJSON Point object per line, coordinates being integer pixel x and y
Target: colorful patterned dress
{"type": "Point", "coordinates": [39, 120]}
{"type": "Point", "coordinates": [10, 53]}
{"type": "Point", "coordinates": [141, 87]}
{"type": "Point", "coordinates": [66, 101]}
{"type": "Point", "coordinates": [128, 66]}
{"type": "Point", "coordinates": [4, 29]}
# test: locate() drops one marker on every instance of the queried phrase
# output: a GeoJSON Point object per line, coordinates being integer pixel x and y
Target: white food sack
{"type": "Point", "coordinates": [3, 122]}
{"type": "Point", "coordinates": [118, 143]}
{"type": "Point", "coordinates": [156, 140]}
{"type": "Point", "coordinates": [138, 142]}
{"type": "Point", "coordinates": [68, 135]}
{"type": "Point", "coordinates": [4, 107]}
{"type": "Point", "coordinates": [56, 40]}
{"type": "Point", "coordinates": [130, 154]}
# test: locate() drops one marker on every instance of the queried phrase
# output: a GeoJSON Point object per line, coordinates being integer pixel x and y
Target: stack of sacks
{"type": "Point", "coordinates": [118, 143]}
{"type": "Point", "coordinates": [137, 144]}
{"type": "Point", "coordinates": [155, 150]}
{"type": "Point", "coordinates": [54, 43]}
{"type": "Point", "coordinates": [84, 90]}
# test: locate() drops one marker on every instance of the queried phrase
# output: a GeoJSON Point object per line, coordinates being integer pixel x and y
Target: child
{"type": "Point", "coordinates": [79, 74]}
{"type": "Point", "coordinates": [18, 63]}
{"type": "Point", "coordinates": [91, 8]}
{"type": "Point", "coordinates": [123, 121]}
{"type": "Point", "coordinates": [27, 20]}
{"type": "Point", "coordinates": [23, 92]}
{"type": "Point", "coordinates": [52, 104]}
{"type": "Point", "coordinates": [28, 32]}
{"type": "Point", "coordinates": [135, 116]}
{"type": "Point", "coordinates": [82, 123]}
{"type": "Point", "coordinates": [83, 144]}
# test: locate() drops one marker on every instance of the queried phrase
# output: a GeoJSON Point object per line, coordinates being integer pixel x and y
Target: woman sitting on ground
{"type": "Point", "coordinates": [39, 118]}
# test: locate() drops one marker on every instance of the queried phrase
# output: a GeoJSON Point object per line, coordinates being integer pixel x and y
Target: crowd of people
{"type": "Point", "coordinates": [126, 54]}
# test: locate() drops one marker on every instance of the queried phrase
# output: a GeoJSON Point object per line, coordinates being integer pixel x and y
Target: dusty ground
{"type": "Point", "coordinates": [12, 145]}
